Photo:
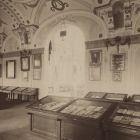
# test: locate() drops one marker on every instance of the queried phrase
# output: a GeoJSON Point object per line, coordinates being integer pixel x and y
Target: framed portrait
{"type": "Point", "coordinates": [118, 62]}
{"type": "Point", "coordinates": [11, 69]}
{"type": "Point", "coordinates": [95, 73]}
{"type": "Point", "coordinates": [37, 61]}
{"type": "Point", "coordinates": [37, 74]}
{"type": "Point", "coordinates": [95, 57]}
{"type": "Point", "coordinates": [117, 75]}
{"type": "Point", "coordinates": [25, 63]}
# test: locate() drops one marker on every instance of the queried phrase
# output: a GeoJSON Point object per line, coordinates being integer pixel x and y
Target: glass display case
{"type": "Point", "coordinates": [64, 118]}
{"type": "Point", "coordinates": [135, 98]}
{"type": "Point", "coordinates": [115, 97]}
{"type": "Point", "coordinates": [17, 93]}
{"type": "Point", "coordinates": [45, 116]}
{"type": "Point", "coordinates": [83, 119]}
{"type": "Point", "coordinates": [9, 90]}
{"type": "Point", "coordinates": [124, 123]}
{"type": "Point", "coordinates": [86, 108]}
{"type": "Point", "coordinates": [50, 103]}
{"type": "Point", "coordinates": [30, 94]}
{"type": "Point", "coordinates": [3, 97]}
{"type": "Point", "coordinates": [95, 95]}
{"type": "Point", "coordinates": [2, 88]}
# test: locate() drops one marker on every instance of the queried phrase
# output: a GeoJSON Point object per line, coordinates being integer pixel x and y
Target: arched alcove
{"type": "Point", "coordinates": [66, 63]}
{"type": "Point", "coordinates": [12, 43]}
{"type": "Point", "coordinates": [90, 27]}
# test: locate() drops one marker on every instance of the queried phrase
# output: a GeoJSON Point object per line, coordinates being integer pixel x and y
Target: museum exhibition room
{"type": "Point", "coordinates": [69, 70]}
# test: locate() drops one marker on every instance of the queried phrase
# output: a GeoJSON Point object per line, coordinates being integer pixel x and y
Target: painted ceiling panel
{"type": "Point", "coordinates": [74, 5]}
{"type": "Point", "coordinates": [15, 12]}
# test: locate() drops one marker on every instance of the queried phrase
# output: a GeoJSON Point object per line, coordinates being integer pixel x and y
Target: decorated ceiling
{"type": "Point", "coordinates": [26, 16]}
{"type": "Point", "coordinates": [14, 12]}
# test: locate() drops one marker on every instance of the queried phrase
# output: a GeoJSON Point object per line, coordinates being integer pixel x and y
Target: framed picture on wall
{"type": "Point", "coordinates": [11, 69]}
{"type": "Point", "coordinates": [95, 57]}
{"type": "Point", "coordinates": [117, 75]}
{"type": "Point", "coordinates": [37, 61]}
{"type": "Point", "coordinates": [37, 74]}
{"type": "Point", "coordinates": [118, 62]}
{"type": "Point", "coordinates": [25, 63]}
{"type": "Point", "coordinates": [95, 73]}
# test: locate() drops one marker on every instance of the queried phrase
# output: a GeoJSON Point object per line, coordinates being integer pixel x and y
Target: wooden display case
{"type": "Point", "coordinates": [82, 120]}
{"type": "Point", "coordinates": [135, 98]}
{"type": "Point", "coordinates": [2, 88]}
{"type": "Point", "coordinates": [63, 118]}
{"type": "Point", "coordinates": [124, 123]}
{"type": "Point", "coordinates": [95, 95]}
{"type": "Point", "coordinates": [115, 97]}
{"type": "Point", "coordinates": [30, 94]}
{"type": "Point", "coordinates": [17, 93]}
{"type": "Point", "coordinates": [45, 116]}
{"type": "Point", "coordinates": [9, 91]}
{"type": "Point", "coordinates": [3, 97]}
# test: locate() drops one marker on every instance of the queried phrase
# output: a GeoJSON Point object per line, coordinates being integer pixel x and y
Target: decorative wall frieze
{"type": "Point", "coordinates": [114, 42]}
{"type": "Point", "coordinates": [118, 13]}
{"type": "Point", "coordinates": [25, 53]}
{"type": "Point", "coordinates": [22, 53]}
{"type": "Point", "coordinates": [25, 32]}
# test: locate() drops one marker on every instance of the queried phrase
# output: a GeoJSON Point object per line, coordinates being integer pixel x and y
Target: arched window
{"type": "Point", "coordinates": [118, 15]}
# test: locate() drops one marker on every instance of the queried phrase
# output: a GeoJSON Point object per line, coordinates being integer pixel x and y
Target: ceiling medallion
{"type": "Point", "coordinates": [58, 5]}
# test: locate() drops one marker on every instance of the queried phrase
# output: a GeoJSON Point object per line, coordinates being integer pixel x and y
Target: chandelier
{"type": "Point", "coordinates": [58, 5]}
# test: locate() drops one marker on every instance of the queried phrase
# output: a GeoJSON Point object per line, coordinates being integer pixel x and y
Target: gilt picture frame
{"type": "Point", "coordinates": [11, 69]}
{"type": "Point", "coordinates": [95, 57]}
{"type": "Point", "coordinates": [25, 63]}
{"type": "Point", "coordinates": [37, 61]}
{"type": "Point", "coordinates": [118, 62]}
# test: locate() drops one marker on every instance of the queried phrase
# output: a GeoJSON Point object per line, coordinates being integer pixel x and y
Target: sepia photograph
{"type": "Point", "coordinates": [69, 69]}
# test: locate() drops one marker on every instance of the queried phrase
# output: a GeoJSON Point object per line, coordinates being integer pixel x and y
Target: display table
{"type": "Point", "coordinates": [17, 93]}
{"type": "Point", "coordinates": [115, 97]}
{"type": "Point", "coordinates": [2, 88]}
{"type": "Point", "coordinates": [45, 117]}
{"type": "Point", "coordinates": [62, 118]}
{"type": "Point", "coordinates": [30, 94]}
{"type": "Point", "coordinates": [124, 123]}
{"type": "Point", "coordinates": [9, 91]}
{"type": "Point", "coordinates": [135, 99]}
{"type": "Point", "coordinates": [25, 94]}
{"type": "Point", "coordinates": [3, 97]}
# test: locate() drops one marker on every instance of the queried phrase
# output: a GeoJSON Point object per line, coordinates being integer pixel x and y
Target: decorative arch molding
{"type": "Point", "coordinates": [86, 14]}
{"type": "Point", "coordinates": [9, 37]}
{"type": "Point", "coordinates": [37, 11]}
